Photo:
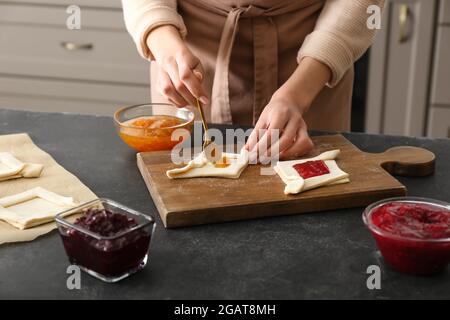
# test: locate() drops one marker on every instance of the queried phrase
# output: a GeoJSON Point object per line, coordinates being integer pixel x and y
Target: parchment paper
{"type": "Point", "coordinates": [54, 178]}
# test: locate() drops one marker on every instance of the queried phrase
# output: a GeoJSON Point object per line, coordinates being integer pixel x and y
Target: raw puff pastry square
{"type": "Point", "coordinates": [296, 184]}
{"type": "Point", "coordinates": [33, 207]}
{"type": "Point", "coordinates": [9, 165]}
{"type": "Point", "coordinates": [12, 168]}
{"type": "Point", "coordinates": [201, 167]}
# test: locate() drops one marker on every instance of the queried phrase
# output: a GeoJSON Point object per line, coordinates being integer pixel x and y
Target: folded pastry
{"type": "Point", "coordinates": [12, 168]}
{"type": "Point", "coordinates": [306, 174]}
{"type": "Point", "coordinates": [230, 166]}
{"type": "Point", "coordinates": [33, 207]}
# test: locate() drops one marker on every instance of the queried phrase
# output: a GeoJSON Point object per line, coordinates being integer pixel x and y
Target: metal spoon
{"type": "Point", "coordinates": [206, 138]}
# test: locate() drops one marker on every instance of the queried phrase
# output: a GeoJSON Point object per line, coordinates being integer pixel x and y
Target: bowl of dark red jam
{"type": "Point", "coordinates": [106, 239]}
{"type": "Point", "coordinates": [412, 234]}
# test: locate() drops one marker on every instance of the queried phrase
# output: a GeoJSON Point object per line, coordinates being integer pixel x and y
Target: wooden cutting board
{"type": "Point", "coordinates": [187, 202]}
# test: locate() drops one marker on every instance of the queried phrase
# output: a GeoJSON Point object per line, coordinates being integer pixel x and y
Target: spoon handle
{"type": "Point", "coordinates": [207, 140]}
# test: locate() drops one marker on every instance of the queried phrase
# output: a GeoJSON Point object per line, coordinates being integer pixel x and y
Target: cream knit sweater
{"type": "Point", "coordinates": [338, 39]}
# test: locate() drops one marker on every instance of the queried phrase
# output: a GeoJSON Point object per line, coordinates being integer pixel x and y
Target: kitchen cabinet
{"type": "Point", "coordinates": [444, 12]}
{"type": "Point", "coordinates": [409, 73]}
{"type": "Point", "coordinates": [439, 122]}
{"type": "Point", "coordinates": [399, 69]}
{"type": "Point", "coordinates": [45, 66]}
{"type": "Point", "coordinates": [440, 94]}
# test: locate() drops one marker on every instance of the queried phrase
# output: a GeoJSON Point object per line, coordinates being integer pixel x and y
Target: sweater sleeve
{"type": "Point", "coordinates": [142, 16]}
{"type": "Point", "coordinates": [340, 36]}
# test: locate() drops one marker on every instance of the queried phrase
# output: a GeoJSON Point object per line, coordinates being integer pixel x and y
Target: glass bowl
{"type": "Point", "coordinates": [111, 258]}
{"type": "Point", "coordinates": [152, 138]}
{"type": "Point", "coordinates": [411, 233]}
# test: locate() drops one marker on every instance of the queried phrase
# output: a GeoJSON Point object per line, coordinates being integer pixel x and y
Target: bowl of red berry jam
{"type": "Point", "coordinates": [106, 239]}
{"type": "Point", "coordinates": [412, 234]}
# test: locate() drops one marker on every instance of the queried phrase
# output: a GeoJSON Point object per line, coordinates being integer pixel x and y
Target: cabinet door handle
{"type": "Point", "coordinates": [72, 46]}
{"type": "Point", "coordinates": [403, 23]}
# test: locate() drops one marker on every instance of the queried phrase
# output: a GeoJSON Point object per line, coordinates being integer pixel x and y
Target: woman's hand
{"type": "Point", "coordinates": [285, 116]}
{"type": "Point", "coordinates": [180, 73]}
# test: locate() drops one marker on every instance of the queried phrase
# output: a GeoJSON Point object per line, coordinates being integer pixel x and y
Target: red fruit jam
{"type": "Point", "coordinates": [311, 169]}
{"type": "Point", "coordinates": [413, 236]}
{"type": "Point", "coordinates": [110, 255]}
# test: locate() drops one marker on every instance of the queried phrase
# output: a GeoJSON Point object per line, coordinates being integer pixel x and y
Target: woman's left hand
{"type": "Point", "coordinates": [283, 114]}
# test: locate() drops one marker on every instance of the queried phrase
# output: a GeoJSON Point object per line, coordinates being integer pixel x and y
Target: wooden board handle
{"type": "Point", "coordinates": [407, 161]}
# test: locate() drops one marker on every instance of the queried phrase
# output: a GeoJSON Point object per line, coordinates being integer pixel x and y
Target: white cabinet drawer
{"type": "Point", "coordinates": [39, 51]}
{"type": "Point", "coordinates": [439, 122]}
{"type": "Point", "coordinates": [57, 16]}
{"type": "Point", "coordinates": [68, 96]}
{"type": "Point", "coordinates": [444, 15]}
{"type": "Point", "coordinates": [441, 80]}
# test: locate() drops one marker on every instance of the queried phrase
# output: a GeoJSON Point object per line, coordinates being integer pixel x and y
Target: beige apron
{"type": "Point", "coordinates": [248, 50]}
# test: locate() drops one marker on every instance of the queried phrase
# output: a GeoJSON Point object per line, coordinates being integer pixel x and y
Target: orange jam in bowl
{"type": "Point", "coordinates": [149, 127]}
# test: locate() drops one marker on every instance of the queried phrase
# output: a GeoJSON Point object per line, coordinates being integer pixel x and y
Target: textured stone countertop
{"type": "Point", "coordinates": [319, 255]}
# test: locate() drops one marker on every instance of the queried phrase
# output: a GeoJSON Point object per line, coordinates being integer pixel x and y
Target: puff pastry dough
{"type": "Point", "coordinates": [296, 184]}
{"type": "Point", "coordinates": [12, 168]}
{"type": "Point", "coordinates": [33, 207]}
{"type": "Point", "coordinates": [9, 166]}
{"type": "Point", "coordinates": [200, 166]}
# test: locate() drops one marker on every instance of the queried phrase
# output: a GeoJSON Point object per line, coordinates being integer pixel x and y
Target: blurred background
{"type": "Point", "coordinates": [402, 84]}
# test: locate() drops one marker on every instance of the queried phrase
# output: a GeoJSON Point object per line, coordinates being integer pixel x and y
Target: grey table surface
{"type": "Point", "coordinates": [319, 255]}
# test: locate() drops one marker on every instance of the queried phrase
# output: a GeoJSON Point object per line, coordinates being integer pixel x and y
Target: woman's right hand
{"type": "Point", "coordinates": [180, 73]}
